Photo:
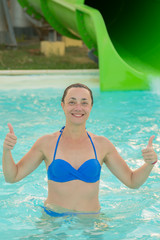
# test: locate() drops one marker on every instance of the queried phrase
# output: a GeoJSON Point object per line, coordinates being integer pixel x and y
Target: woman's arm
{"type": "Point", "coordinates": [15, 172]}
{"type": "Point", "coordinates": [132, 179]}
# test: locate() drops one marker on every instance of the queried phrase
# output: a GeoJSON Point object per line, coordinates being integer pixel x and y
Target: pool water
{"type": "Point", "coordinates": [128, 119]}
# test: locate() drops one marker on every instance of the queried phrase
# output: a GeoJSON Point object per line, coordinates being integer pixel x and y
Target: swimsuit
{"type": "Point", "coordinates": [51, 213]}
{"type": "Point", "coordinates": [61, 171]}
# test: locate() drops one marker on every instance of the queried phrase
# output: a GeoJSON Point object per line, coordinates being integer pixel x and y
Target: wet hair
{"type": "Point", "coordinates": [77, 85]}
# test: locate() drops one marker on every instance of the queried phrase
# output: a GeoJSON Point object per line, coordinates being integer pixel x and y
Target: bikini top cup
{"type": "Point", "coordinates": [62, 171]}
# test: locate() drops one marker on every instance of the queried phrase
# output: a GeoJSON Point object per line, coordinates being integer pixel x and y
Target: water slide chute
{"type": "Point", "coordinates": [125, 35]}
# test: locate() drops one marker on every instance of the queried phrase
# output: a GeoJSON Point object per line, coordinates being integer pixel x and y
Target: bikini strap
{"type": "Point", "coordinates": [92, 145]}
{"type": "Point", "coordinates": [61, 131]}
{"type": "Point", "coordinates": [55, 151]}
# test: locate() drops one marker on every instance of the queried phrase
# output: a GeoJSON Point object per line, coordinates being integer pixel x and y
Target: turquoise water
{"type": "Point", "coordinates": [128, 119]}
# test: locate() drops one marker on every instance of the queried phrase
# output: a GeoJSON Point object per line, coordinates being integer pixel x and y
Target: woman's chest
{"type": "Point", "coordinates": [72, 152]}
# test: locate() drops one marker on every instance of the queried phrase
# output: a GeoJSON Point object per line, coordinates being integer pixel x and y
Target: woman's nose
{"type": "Point", "coordinates": [78, 107]}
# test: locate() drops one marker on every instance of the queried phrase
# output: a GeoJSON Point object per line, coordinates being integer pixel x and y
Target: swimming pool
{"type": "Point", "coordinates": [128, 119]}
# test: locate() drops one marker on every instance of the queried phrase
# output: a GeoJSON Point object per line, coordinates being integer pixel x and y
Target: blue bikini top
{"type": "Point", "coordinates": [61, 171]}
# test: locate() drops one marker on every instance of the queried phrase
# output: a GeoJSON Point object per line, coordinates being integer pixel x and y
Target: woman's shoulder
{"type": "Point", "coordinates": [99, 138]}
{"type": "Point", "coordinates": [101, 141]}
{"type": "Point", "coordinates": [48, 138]}
{"type": "Point", "coordinates": [102, 144]}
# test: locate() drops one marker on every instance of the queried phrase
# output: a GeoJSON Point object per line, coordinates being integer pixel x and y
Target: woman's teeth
{"type": "Point", "coordinates": [77, 115]}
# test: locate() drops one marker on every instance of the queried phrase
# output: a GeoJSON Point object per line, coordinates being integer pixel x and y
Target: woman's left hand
{"type": "Point", "coordinates": [149, 155]}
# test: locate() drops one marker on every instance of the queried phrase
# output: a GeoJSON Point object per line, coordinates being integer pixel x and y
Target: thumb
{"type": "Point", "coordinates": [150, 141]}
{"type": "Point", "coordinates": [10, 128]}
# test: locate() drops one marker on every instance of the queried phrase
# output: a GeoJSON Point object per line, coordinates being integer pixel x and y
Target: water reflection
{"type": "Point", "coordinates": [80, 227]}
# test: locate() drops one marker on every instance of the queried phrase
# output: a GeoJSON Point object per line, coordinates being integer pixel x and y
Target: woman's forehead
{"type": "Point", "coordinates": [78, 93]}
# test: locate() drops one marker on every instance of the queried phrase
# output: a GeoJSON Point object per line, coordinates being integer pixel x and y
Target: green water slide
{"type": "Point", "coordinates": [123, 34]}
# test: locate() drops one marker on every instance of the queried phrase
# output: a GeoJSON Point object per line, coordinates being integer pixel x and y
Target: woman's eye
{"type": "Point", "coordinates": [84, 103]}
{"type": "Point", "coordinates": [71, 103]}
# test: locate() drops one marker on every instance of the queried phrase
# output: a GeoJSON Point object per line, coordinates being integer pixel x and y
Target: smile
{"type": "Point", "coordinates": [77, 115]}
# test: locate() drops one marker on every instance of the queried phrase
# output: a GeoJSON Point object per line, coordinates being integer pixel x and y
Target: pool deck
{"type": "Point", "coordinates": [22, 79]}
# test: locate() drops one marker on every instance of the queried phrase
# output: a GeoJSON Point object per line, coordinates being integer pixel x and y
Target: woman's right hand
{"type": "Point", "coordinates": [10, 139]}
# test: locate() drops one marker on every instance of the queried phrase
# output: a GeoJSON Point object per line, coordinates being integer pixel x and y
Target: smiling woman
{"type": "Point", "coordinates": [74, 167]}
{"type": "Point", "coordinates": [77, 104]}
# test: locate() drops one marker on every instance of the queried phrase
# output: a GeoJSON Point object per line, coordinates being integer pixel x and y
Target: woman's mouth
{"type": "Point", "coordinates": [77, 115]}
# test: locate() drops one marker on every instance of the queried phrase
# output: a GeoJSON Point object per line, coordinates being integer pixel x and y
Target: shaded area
{"type": "Point", "coordinates": [134, 30]}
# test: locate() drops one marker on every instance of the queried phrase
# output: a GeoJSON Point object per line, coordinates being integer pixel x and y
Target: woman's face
{"type": "Point", "coordinates": [77, 105]}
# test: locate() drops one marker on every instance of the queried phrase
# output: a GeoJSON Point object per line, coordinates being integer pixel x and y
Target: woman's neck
{"type": "Point", "coordinates": [74, 131]}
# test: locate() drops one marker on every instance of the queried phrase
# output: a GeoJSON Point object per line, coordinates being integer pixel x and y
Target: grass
{"type": "Point", "coordinates": [28, 56]}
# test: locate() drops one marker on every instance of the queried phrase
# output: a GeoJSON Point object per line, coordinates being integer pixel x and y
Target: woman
{"type": "Point", "coordinates": [73, 159]}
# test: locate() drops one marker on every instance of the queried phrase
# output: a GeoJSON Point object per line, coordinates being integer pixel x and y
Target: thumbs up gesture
{"type": "Point", "coordinates": [10, 139]}
{"type": "Point", "coordinates": [149, 154]}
